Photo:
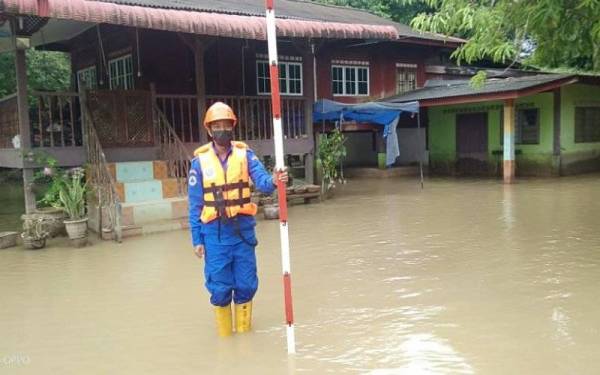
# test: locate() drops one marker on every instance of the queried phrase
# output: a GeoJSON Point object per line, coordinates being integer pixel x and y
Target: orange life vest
{"type": "Point", "coordinates": [226, 192]}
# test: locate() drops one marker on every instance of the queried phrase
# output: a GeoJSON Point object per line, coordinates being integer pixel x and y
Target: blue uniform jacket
{"type": "Point", "coordinates": [202, 233]}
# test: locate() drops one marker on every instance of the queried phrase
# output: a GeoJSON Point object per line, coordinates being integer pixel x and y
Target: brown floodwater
{"type": "Point", "coordinates": [12, 205]}
{"type": "Point", "coordinates": [463, 277]}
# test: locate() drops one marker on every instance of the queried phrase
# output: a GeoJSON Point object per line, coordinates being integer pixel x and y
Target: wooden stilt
{"type": "Point", "coordinates": [24, 129]}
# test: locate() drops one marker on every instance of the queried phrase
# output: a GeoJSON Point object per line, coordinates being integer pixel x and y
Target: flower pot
{"type": "Point", "coordinates": [79, 242]}
{"type": "Point", "coordinates": [267, 201]}
{"type": "Point", "coordinates": [8, 239]}
{"type": "Point", "coordinates": [76, 228]}
{"type": "Point", "coordinates": [255, 198]}
{"type": "Point", "coordinates": [271, 211]}
{"type": "Point", "coordinates": [54, 217]}
{"type": "Point", "coordinates": [33, 243]}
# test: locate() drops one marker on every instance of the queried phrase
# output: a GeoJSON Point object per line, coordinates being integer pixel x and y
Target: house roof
{"type": "Point", "coordinates": [461, 91]}
{"type": "Point", "coordinates": [288, 9]}
{"type": "Point", "coordinates": [229, 18]}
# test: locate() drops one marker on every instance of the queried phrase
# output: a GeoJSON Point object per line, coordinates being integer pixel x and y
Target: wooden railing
{"type": "Point", "coordinates": [253, 112]}
{"type": "Point", "coordinates": [55, 119]}
{"type": "Point", "coordinates": [102, 181]}
{"type": "Point", "coordinates": [123, 118]}
{"type": "Point", "coordinates": [181, 111]}
{"type": "Point", "coordinates": [172, 150]}
{"type": "Point", "coordinates": [255, 119]}
{"type": "Point", "coordinates": [9, 121]}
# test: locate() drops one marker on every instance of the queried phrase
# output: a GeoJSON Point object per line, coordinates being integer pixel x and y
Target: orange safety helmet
{"type": "Point", "coordinates": [219, 111]}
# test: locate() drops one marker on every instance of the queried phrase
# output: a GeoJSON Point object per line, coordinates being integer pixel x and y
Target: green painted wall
{"type": "Point", "coordinates": [577, 157]}
{"type": "Point", "coordinates": [531, 159]}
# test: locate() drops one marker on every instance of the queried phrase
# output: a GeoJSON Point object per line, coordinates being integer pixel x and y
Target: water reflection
{"type": "Point", "coordinates": [459, 278]}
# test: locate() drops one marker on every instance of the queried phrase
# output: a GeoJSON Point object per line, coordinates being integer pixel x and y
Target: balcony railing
{"type": "Point", "coordinates": [55, 119]}
{"type": "Point", "coordinates": [253, 112]}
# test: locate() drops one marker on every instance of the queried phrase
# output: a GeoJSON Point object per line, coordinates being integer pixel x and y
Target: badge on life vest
{"type": "Point", "coordinates": [209, 172]}
{"type": "Point", "coordinates": [193, 180]}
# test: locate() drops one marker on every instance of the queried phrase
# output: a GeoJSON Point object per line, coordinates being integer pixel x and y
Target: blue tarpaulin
{"type": "Point", "coordinates": [380, 113]}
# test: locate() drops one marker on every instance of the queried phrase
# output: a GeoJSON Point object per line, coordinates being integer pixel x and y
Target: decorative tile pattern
{"type": "Point", "coordinates": [143, 191]}
{"type": "Point", "coordinates": [179, 209]}
{"type": "Point", "coordinates": [169, 188]}
{"type": "Point", "coordinates": [160, 170]}
{"type": "Point", "coordinates": [134, 171]}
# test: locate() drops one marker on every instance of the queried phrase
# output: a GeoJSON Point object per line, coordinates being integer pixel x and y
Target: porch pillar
{"type": "Point", "coordinates": [556, 152]}
{"type": "Point", "coordinates": [509, 141]}
{"type": "Point", "coordinates": [199, 48]}
{"type": "Point", "coordinates": [24, 128]}
{"type": "Point", "coordinates": [381, 150]}
{"type": "Point", "coordinates": [308, 89]}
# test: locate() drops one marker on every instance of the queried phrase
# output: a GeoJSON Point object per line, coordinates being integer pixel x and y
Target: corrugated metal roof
{"type": "Point", "coordinates": [291, 9]}
{"type": "Point", "coordinates": [196, 22]}
{"type": "Point", "coordinates": [463, 88]}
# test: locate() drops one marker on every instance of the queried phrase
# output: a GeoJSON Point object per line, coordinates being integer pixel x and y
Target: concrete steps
{"type": "Point", "coordinates": [150, 200]}
{"type": "Point", "coordinates": [154, 227]}
{"type": "Point", "coordinates": [139, 213]}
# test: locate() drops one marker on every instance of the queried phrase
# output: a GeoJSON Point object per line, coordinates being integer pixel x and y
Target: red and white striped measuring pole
{"type": "Point", "coordinates": [279, 165]}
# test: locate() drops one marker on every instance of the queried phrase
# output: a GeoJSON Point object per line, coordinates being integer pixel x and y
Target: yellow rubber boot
{"type": "Point", "coordinates": [243, 317]}
{"type": "Point", "coordinates": [224, 324]}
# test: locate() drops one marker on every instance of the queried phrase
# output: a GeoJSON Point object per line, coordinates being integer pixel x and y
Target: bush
{"type": "Point", "coordinates": [331, 153]}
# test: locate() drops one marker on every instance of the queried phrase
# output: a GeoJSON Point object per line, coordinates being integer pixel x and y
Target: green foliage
{"type": "Point", "coordinates": [546, 34]}
{"type": "Point", "coordinates": [393, 9]}
{"type": "Point", "coordinates": [72, 194]}
{"type": "Point", "coordinates": [49, 179]}
{"type": "Point", "coordinates": [331, 153]}
{"type": "Point", "coordinates": [478, 80]}
{"type": "Point", "coordinates": [542, 33]}
{"type": "Point", "coordinates": [53, 179]}
{"type": "Point", "coordinates": [45, 71]}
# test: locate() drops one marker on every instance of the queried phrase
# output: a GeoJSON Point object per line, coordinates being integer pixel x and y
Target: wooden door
{"type": "Point", "coordinates": [472, 143]}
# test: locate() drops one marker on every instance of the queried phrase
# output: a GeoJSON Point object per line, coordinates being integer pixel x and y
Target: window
{"type": "Point", "coordinates": [290, 78]}
{"type": "Point", "coordinates": [350, 80]}
{"type": "Point", "coordinates": [86, 78]}
{"type": "Point", "coordinates": [527, 126]}
{"type": "Point", "coordinates": [120, 72]}
{"type": "Point", "coordinates": [587, 124]}
{"type": "Point", "coordinates": [406, 78]}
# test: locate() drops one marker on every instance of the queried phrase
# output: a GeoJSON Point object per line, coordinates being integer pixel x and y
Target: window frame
{"type": "Point", "coordinates": [124, 75]}
{"type": "Point", "coordinates": [80, 72]}
{"type": "Point", "coordinates": [575, 127]}
{"type": "Point", "coordinates": [519, 131]}
{"type": "Point", "coordinates": [519, 126]}
{"type": "Point", "coordinates": [357, 82]}
{"type": "Point", "coordinates": [406, 68]}
{"type": "Point", "coordinates": [286, 77]}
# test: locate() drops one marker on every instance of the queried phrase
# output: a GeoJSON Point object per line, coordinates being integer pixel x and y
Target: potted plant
{"type": "Point", "coordinates": [72, 197]}
{"type": "Point", "coordinates": [35, 231]}
{"type": "Point", "coordinates": [47, 183]}
{"type": "Point", "coordinates": [271, 209]}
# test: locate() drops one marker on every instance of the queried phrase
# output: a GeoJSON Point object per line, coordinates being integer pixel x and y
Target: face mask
{"type": "Point", "coordinates": [223, 137]}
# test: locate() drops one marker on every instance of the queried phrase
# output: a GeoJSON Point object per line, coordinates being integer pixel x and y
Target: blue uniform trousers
{"type": "Point", "coordinates": [230, 272]}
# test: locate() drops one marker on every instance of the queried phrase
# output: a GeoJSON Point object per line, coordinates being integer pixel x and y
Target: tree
{"type": "Point", "coordinates": [540, 33]}
{"type": "Point", "coordinates": [45, 71]}
{"type": "Point", "coordinates": [393, 9]}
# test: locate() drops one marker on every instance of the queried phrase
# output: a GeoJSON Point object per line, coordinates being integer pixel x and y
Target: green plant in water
{"type": "Point", "coordinates": [72, 194]}
{"type": "Point", "coordinates": [331, 152]}
{"type": "Point", "coordinates": [53, 178]}
{"type": "Point", "coordinates": [48, 179]}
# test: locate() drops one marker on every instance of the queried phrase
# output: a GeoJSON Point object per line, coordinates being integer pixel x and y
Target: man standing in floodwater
{"type": "Point", "coordinates": [222, 217]}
